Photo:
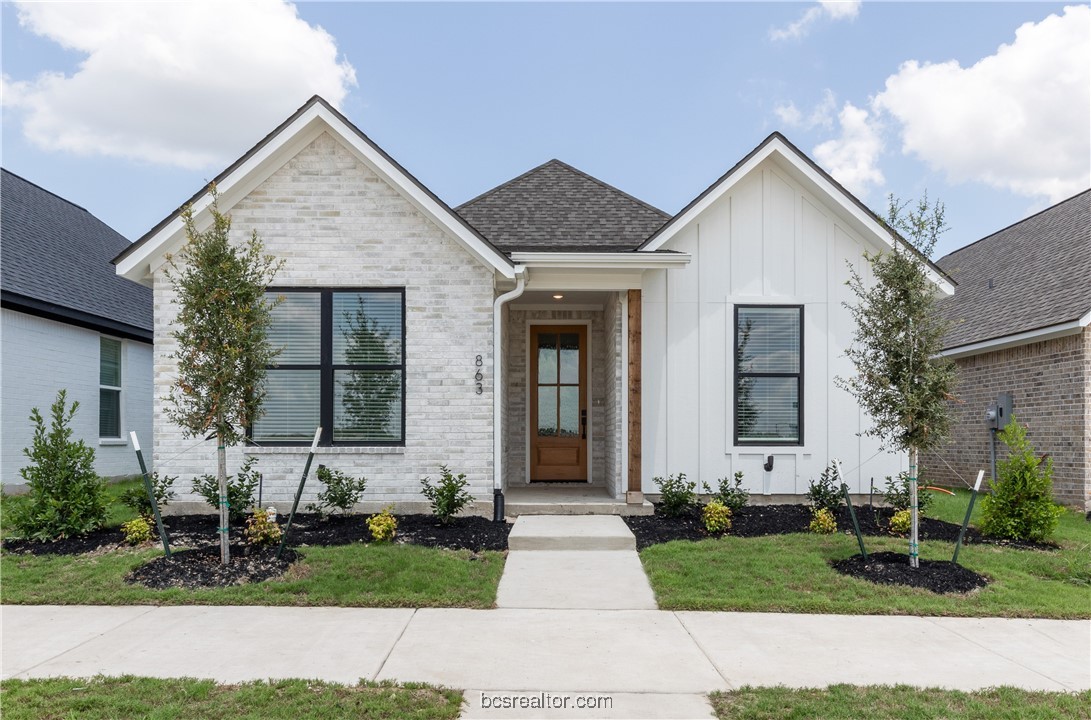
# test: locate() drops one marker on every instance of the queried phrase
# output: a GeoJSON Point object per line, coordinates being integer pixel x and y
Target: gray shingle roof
{"type": "Point", "coordinates": [557, 208]}
{"type": "Point", "coordinates": [55, 258]}
{"type": "Point", "coordinates": [1040, 271]}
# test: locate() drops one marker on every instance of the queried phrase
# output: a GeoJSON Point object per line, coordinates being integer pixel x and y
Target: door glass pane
{"type": "Point", "coordinates": [570, 411]}
{"type": "Point", "coordinates": [547, 358]}
{"type": "Point", "coordinates": [768, 409]}
{"type": "Point", "coordinates": [570, 358]}
{"type": "Point", "coordinates": [291, 406]}
{"type": "Point", "coordinates": [296, 329]}
{"type": "Point", "coordinates": [367, 405]}
{"type": "Point", "coordinates": [547, 411]}
{"type": "Point", "coordinates": [367, 328]}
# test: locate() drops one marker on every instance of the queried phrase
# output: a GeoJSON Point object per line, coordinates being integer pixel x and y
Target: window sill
{"type": "Point", "coordinates": [113, 441]}
{"type": "Point", "coordinates": [339, 450]}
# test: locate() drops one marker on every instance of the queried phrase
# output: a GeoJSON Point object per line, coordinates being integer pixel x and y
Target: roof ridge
{"type": "Point", "coordinates": [505, 184]}
{"type": "Point", "coordinates": [50, 192]}
{"type": "Point", "coordinates": [1017, 222]}
{"type": "Point", "coordinates": [611, 188]}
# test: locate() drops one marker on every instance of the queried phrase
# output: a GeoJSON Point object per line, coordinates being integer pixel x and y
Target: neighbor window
{"type": "Point", "coordinates": [768, 375]}
{"type": "Point", "coordinates": [341, 366]}
{"type": "Point", "coordinates": [109, 393]}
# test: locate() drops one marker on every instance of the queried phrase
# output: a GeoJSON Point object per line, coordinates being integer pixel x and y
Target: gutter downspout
{"type": "Point", "coordinates": [497, 383]}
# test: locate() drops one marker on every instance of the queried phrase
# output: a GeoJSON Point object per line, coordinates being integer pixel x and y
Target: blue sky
{"type": "Point", "coordinates": [128, 109]}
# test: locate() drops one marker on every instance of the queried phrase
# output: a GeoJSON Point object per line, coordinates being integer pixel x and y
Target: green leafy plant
{"type": "Point", "coordinates": [66, 496]}
{"type": "Point", "coordinates": [383, 526]}
{"type": "Point", "coordinates": [900, 522]}
{"type": "Point", "coordinates": [137, 497]}
{"type": "Point", "coordinates": [824, 493]}
{"type": "Point", "coordinates": [730, 493]}
{"type": "Point", "coordinates": [240, 490]}
{"type": "Point", "coordinates": [137, 531]}
{"type": "Point", "coordinates": [897, 494]}
{"type": "Point", "coordinates": [676, 494]}
{"type": "Point", "coordinates": [341, 491]}
{"type": "Point", "coordinates": [448, 496]}
{"type": "Point", "coordinates": [261, 530]}
{"type": "Point", "coordinates": [1020, 506]}
{"type": "Point", "coordinates": [716, 517]}
{"type": "Point", "coordinates": [822, 522]}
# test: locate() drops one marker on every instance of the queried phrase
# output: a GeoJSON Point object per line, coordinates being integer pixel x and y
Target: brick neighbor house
{"type": "Point", "coordinates": [1020, 324]}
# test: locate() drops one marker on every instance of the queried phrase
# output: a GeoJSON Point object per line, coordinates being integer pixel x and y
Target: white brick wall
{"type": "Point", "coordinates": [612, 371]}
{"type": "Point", "coordinates": [336, 223]}
{"type": "Point", "coordinates": [39, 358]}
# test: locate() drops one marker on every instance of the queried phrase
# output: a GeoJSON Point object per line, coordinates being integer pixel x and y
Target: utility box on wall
{"type": "Point", "coordinates": [999, 413]}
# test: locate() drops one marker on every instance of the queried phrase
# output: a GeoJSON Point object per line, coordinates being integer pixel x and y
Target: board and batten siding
{"type": "Point", "coordinates": [765, 241]}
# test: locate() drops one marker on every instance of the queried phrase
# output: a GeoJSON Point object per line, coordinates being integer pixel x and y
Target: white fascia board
{"type": "Point", "coordinates": [1024, 338]}
{"type": "Point", "coordinates": [602, 261]}
{"type": "Point", "coordinates": [585, 279]}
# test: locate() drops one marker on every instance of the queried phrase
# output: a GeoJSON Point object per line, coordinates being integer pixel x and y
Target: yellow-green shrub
{"type": "Point", "coordinates": [383, 526]}
{"type": "Point", "coordinates": [900, 522]}
{"type": "Point", "coordinates": [823, 522]}
{"type": "Point", "coordinates": [717, 517]}
{"type": "Point", "coordinates": [138, 530]}
{"type": "Point", "coordinates": [260, 530]}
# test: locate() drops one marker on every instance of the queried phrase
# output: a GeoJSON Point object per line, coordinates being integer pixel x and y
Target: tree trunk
{"type": "Point", "coordinates": [914, 518]}
{"type": "Point", "coordinates": [221, 478]}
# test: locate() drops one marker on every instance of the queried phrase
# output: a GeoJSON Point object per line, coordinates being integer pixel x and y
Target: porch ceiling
{"type": "Point", "coordinates": [571, 297]}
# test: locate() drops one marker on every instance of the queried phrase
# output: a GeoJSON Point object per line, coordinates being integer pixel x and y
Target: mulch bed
{"type": "Point", "coordinates": [201, 568]}
{"type": "Point", "coordinates": [891, 568]}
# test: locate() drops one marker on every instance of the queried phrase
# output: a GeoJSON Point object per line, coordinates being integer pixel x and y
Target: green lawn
{"type": "Point", "coordinates": [186, 698]}
{"type": "Point", "coordinates": [847, 702]}
{"type": "Point", "coordinates": [790, 573]}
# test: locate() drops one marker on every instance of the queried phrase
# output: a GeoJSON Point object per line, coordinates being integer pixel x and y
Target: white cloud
{"type": "Point", "coordinates": [852, 159]}
{"type": "Point", "coordinates": [1017, 120]}
{"type": "Point", "coordinates": [187, 84]}
{"type": "Point", "coordinates": [832, 9]}
{"type": "Point", "coordinates": [820, 116]}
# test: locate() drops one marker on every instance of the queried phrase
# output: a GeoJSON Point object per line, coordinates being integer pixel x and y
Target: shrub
{"type": "Point", "coordinates": [730, 494]}
{"type": "Point", "coordinates": [822, 522]}
{"type": "Point", "coordinates": [341, 493]}
{"type": "Point", "coordinates": [138, 530]}
{"type": "Point", "coordinates": [1021, 505]}
{"type": "Point", "coordinates": [900, 522]}
{"type": "Point", "coordinates": [240, 490]}
{"type": "Point", "coordinates": [66, 496]}
{"type": "Point", "coordinates": [261, 530]}
{"type": "Point", "coordinates": [676, 494]}
{"type": "Point", "coordinates": [137, 497]}
{"type": "Point", "coordinates": [449, 496]}
{"type": "Point", "coordinates": [823, 493]}
{"type": "Point", "coordinates": [897, 494]}
{"type": "Point", "coordinates": [717, 517]}
{"type": "Point", "coordinates": [383, 526]}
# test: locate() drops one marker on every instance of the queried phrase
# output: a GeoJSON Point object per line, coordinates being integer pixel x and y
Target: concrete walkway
{"type": "Point", "coordinates": [650, 663]}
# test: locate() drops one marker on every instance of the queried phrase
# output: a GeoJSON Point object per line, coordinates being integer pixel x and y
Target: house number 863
{"type": "Point", "coordinates": [478, 377]}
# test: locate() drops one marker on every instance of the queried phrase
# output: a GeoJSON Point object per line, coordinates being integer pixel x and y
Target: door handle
{"type": "Point", "coordinates": [583, 423]}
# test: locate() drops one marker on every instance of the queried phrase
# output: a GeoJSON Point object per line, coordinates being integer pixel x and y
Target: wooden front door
{"type": "Point", "coordinates": [558, 403]}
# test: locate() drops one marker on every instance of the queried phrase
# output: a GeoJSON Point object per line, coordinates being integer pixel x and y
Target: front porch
{"type": "Point", "coordinates": [569, 499]}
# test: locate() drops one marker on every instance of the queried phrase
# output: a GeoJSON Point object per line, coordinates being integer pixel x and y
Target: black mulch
{"type": "Point", "coordinates": [891, 568]}
{"type": "Point", "coordinates": [201, 568]}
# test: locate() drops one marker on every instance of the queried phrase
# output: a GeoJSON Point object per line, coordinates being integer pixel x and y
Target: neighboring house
{"type": "Point", "coordinates": [68, 322]}
{"type": "Point", "coordinates": [552, 329]}
{"type": "Point", "coordinates": [1020, 324]}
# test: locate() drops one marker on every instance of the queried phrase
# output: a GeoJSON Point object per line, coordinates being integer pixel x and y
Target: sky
{"type": "Point", "coordinates": [127, 109]}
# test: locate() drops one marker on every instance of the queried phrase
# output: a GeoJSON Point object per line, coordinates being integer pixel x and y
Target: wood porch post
{"type": "Point", "coordinates": [634, 494]}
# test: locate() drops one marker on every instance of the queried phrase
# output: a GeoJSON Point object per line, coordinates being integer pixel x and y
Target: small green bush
{"type": "Point", "coordinates": [261, 530]}
{"type": "Point", "coordinates": [240, 490]}
{"type": "Point", "coordinates": [730, 494]}
{"type": "Point", "coordinates": [66, 496]}
{"type": "Point", "coordinates": [137, 531]}
{"type": "Point", "coordinates": [137, 497]}
{"type": "Point", "coordinates": [1020, 506]}
{"type": "Point", "coordinates": [901, 521]}
{"type": "Point", "coordinates": [822, 522]}
{"type": "Point", "coordinates": [717, 517]}
{"type": "Point", "coordinates": [383, 526]}
{"type": "Point", "coordinates": [897, 494]}
{"type": "Point", "coordinates": [823, 493]}
{"type": "Point", "coordinates": [341, 493]}
{"type": "Point", "coordinates": [676, 494]}
{"type": "Point", "coordinates": [448, 496]}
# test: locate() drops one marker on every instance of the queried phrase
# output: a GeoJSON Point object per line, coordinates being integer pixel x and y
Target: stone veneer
{"type": "Point", "coordinates": [336, 223]}
{"type": "Point", "coordinates": [1051, 385]}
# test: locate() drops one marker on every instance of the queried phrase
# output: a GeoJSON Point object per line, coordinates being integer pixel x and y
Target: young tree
{"type": "Point", "coordinates": [900, 379]}
{"type": "Point", "coordinates": [222, 326]}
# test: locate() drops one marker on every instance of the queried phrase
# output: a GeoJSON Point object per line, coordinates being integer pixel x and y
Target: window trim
{"type": "Point", "coordinates": [119, 389]}
{"type": "Point", "coordinates": [326, 368]}
{"type": "Point", "coordinates": [735, 376]}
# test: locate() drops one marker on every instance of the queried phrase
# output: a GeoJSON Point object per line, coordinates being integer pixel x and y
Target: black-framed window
{"type": "Point", "coordinates": [109, 393]}
{"type": "Point", "coordinates": [341, 366]}
{"type": "Point", "coordinates": [768, 375]}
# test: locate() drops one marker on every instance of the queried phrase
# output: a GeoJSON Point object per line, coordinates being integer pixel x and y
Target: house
{"type": "Point", "coordinates": [69, 322]}
{"type": "Point", "coordinates": [1020, 324]}
{"type": "Point", "coordinates": [552, 330]}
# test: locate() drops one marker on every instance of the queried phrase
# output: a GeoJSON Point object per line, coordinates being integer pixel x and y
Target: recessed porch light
{"type": "Point", "coordinates": [558, 296]}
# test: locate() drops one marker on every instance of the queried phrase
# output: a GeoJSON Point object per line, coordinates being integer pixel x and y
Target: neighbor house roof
{"type": "Point", "coordinates": [557, 208]}
{"type": "Point", "coordinates": [55, 262]}
{"type": "Point", "coordinates": [1032, 275]}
